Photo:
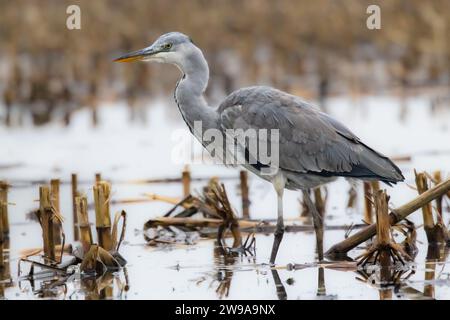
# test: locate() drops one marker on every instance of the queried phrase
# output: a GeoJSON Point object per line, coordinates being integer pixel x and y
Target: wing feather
{"type": "Point", "coordinates": [310, 140]}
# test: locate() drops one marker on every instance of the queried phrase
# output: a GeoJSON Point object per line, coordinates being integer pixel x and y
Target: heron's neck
{"type": "Point", "coordinates": [189, 94]}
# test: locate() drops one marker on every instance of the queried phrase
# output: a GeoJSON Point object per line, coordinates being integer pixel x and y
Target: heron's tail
{"type": "Point", "coordinates": [376, 166]}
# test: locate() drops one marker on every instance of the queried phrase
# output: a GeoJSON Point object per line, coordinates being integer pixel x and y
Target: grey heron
{"type": "Point", "coordinates": [313, 148]}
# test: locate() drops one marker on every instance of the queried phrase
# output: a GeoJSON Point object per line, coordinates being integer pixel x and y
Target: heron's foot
{"type": "Point", "coordinates": [395, 252]}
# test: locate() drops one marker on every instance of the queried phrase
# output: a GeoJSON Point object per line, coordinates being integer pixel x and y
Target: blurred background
{"type": "Point", "coordinates": [66, 108]}
{"type": "Point", "coordinates": [316, 49]}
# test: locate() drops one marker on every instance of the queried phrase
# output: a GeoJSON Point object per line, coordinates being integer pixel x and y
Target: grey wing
{"type": "Point", "coordinates": [309, 141]}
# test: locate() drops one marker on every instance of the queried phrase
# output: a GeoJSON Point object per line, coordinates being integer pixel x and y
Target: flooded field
{"type": "Point", "coordinates": [201, 270]}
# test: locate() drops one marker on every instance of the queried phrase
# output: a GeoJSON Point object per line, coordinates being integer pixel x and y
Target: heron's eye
{"type": "Point", "coordinates": [167, 46]}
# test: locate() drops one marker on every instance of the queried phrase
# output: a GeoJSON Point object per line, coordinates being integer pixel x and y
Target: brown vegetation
{"type": "Point", "coordinates": [313, 48]}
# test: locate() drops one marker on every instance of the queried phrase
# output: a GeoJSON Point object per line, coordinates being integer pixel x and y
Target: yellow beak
{"type": "Point", "coordinates": [129, 59]}
{"type": "Point", "coordinates": [135, 56]}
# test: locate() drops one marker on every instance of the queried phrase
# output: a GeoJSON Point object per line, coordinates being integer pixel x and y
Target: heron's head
{"type": "Point", "coordinates": [173, 47]}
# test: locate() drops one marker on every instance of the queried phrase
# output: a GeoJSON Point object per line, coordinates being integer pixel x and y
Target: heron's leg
{"type": "Point", "coordinates": [279, 183]}
{"type": "Point", "coordinates": [317, 221]}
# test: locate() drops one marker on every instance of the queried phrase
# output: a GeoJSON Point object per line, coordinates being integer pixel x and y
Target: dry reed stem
{"type": "Point", "coordinates": [186, 180]}
{"type": "Point", "coordinates": [4, 206]}
{"type": "Point", "coordinates": [102, 192]}
{"type": "Point", "coordinates": [130, 201]}
{"type": "Point", "coordinates": [244, 225]}
{"type": "Point", "coordinates": [396, 215]}
{"type": "Point", "coordinates": [368, 213]}
{"type": "Point", "coordinates": [74, 184]}
{"type": "Point", "coordinates": [85, 233]}
{"type": "Point", "coordinates": [116, 241]}
{"type": "Point", "coordinates": [382, 214]}
{"type": "Point", "coordinates": [422, 186]}
{"type": "Point", "coordinates": [383, 227]}
{"type": "Point", "coordinates": [149, 197]}
{"type": "Point", "coordinates": [383, 248]}
{"type": "Point", "coordinates": [54, 193]}
{"type": "Point", "coordinates": [217, 197]}
{"type": "Point", "coordinates": [243, 175]}
{"type": "Point", "coordinates": [438, 179]}
{"type": "Point", "coordinates": [46, 220]}
{"type": "Point", "coordinates": [54, 196]}
{"type": "Point", "coordinates": [436, 231]}
{"type": "Point", "coordinates": [216, 208]}
{"type": "Point", "coordinates": [196, 222]}
{"type": "Point", "coordinates": [157, 197]}
{"type": "Point", "coordinates": [375, 185]}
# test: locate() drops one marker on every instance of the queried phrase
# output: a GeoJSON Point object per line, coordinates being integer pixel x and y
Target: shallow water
{"type": "Point", "coordinates": [123, 152]}
{"type": "Point", "coordinates": [201, 271]}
